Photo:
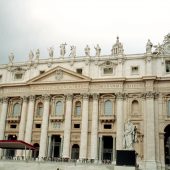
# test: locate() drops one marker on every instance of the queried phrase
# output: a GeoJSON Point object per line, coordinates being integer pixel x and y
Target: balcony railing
{"type": "Point", "coordinates": [107, 118]}
{"type": "Point", "coordinates": [13, 119]}
{"type": "Point", "coordinates": [56, 118]}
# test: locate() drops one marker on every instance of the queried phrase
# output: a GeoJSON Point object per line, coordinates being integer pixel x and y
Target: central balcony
{"type": "Point", "coordinates": [13, 119]}
{"type": "Point", "coordinates": [107, 118]}
{"type": "Point", "coordinates": [56, 118]}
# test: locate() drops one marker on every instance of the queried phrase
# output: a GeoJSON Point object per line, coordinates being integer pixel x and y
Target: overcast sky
{"type": "Point", "coordinates": [30, 24]}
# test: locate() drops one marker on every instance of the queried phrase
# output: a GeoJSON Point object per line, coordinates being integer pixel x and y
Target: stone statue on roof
{"type": "Point", "coordinates": [98, 50]}
{"type": "Point", "coordinates": [149, 46]}
{"type": "Point", "coordinates": [63, 49]}
{"type": "Point", "coordinates": [87, 51]}
{"type": "Point", "coordinates": [11, 58]}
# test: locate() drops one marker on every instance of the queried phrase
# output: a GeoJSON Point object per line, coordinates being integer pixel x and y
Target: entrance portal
{"type": "Point", "coordinates": [55, 146]}
{"type": "Point", "coordinates": [107, 148]}
{"type": "Point", "coordinates": [167, 144]}
{"type": "Point", "coordinates": [35, 153]}
{"type": "Point", "coordinates": [75, 152]}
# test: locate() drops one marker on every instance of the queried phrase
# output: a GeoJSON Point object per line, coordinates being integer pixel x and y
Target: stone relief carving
{"type": "Point", "coordinates": [58, 74]}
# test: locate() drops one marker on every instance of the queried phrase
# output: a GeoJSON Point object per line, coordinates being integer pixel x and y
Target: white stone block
{"type": "Point", "coordinates": [125, 168]}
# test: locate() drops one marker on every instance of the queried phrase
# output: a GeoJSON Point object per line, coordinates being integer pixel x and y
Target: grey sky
{"type": "Point", "coordinates": [30, 24]}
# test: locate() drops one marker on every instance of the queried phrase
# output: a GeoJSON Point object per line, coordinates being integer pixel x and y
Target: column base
{"type": "Point", "coordinates": [151, 165]}
{"type": "Point", "coordinates": [125, 168]}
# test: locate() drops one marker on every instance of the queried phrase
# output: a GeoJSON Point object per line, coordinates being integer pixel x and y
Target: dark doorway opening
{"type": "Point", "coordinates": [167, 145]}
{"type": "Point", "coordinates": [35, 153]}
{"type": "Point", "coordinates": [55, 146]}
{"type": "Point", "coordinates": [75, 151]}
{"type": "Point", "coordinates": [107, 148]}
{"type": "Point", "coordinates": [10, 153]}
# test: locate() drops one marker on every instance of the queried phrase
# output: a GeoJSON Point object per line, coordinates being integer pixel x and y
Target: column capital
{"type": "Point", "coordinates": [120, 95]}
{"type": "Point", "coordinates": [95, 96]}
{"type": "Point", "coordinates": [150, 95]}
{"type": "Point", "coordinates": [85, 96]}
{"type": "Point", "coordinates": [46, 97]}
{"type": "Point", "coordinates": [5, 99]}
{"type": "Point", "coordinates": [69, 96]}
{"type": "Point", "coordinates": [31, 98]}
{"type": "Point", "coordinates": [25, 98]}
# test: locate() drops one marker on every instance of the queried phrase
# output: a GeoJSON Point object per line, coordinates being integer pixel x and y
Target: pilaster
{"type": "Point", "coordinates": [44, 128]}
{"type": "Point", "coordinates": [67, 127]}
{"type": "Point", "coordinates": [84, 128]}
{"type": "Point", "coordinates": [94, 130]}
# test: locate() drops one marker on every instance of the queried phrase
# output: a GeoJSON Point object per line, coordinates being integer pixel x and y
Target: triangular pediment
{"type": "Point", "coordinates": [58, 74]}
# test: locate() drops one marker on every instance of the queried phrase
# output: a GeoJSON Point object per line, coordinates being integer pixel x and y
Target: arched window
{"type": "Point", "coordinates": [16, 109]}
{"type": "Point", "coordinates": [108, 108]}
{"type": "Point", "coordinates": [168, 108]}
{"type": "Point", "coordinates": [135, 107]}
{"type": "Point", "coordinates": [59, 108]}
{"type": "Point", "coordinates": [78, 108]}
{"type": "Point", "coordinates": [40, 109]}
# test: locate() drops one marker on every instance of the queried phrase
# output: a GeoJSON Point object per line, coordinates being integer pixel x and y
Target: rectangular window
{"type": "Point", "coordinates": [76, 126]}
{"type": "Point", "coordinates": [18, 76]}
{"type": "Point", "coordinates": [135, 70]}
{"type": "Point", "coordinates": [79, 70]}
{"type": "Point", "coordinates": [167, 63]}
{"type": "Point", "coordinates": [108, 70]}
{"type": "Point", "coordinates": [107, 126]}
{"type": "Point", "coordinates": [42, 71]}
{"type": "Point", "coordinates": [13, 126]}
{"type": "Point", "coordinates": [38, 126]}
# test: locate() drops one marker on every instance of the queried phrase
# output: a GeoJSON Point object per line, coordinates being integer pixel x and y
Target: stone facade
{"type": "Point", "coordinates": [75, 107]}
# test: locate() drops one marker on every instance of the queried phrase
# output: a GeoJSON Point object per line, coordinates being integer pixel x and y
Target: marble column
{"type": "Point", "coordinates": [100, 148]}
{"type": "Point", "coordinates": [44, 128]}
{"type": "Point", "coordinates": [61, 146]}
{"type": "Point", "coordinates": [67, 127]}
{"type": "Point", "coordinates": [120, 122]}
{"type": "Point", "coordinates": [22, 123]}
{"type": "Point", "coordinates": [3, 120]}
{"type": "Point", "coordinates": [162, 149]}
{"type": "Point", "coordinates": [150, 155]}
{"type": "Point", "coordinates": [84, 128]}
{"type": "Point", "coordinates": [114, 149]}
{"type": "Point", "coordinates": [49, 146]}
{"type": "Point", "coordinates": [29, 123]}
{"type": "Point", "coordinates": [94, 129]}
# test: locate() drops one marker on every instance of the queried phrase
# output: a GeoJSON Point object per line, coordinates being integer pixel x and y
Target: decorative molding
{"type": "Point", "coordinates": [69, 97]}
{"type": "Point", "coordinates": [85, 96]}
{"type": "Point", "coordinates": [95, 96]}
{"type": "Point", "coordinates": [120, 95]}
{"type": "Point", "coordinates": [5, 99]}
{"type": "Point", "coordinates": [46, 97]}
{"type": "Point", "coordinates": [32, 98]}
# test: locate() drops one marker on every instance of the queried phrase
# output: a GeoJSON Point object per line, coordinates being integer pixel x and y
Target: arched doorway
{"type": "Point", "coordinates": [35, 153]}
{"type": "Point", "coordinates": [75, 151]}
{"type": "Point", "coordinates": [167, 144]}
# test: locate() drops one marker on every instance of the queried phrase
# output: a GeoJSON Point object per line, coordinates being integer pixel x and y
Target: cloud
{"type": "Point", "coordinates": [31, 24]}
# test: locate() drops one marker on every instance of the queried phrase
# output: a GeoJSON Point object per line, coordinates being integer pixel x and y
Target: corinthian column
{"type": "Point", "coordinates": [84, 128]}
{"type": "Point", "coordinates": [67, 127]}
{"type": "Point", "coordinates": [149, 133]}
{"type": "Point", "coordinates": [94, 130]}
{"type": "Point", "coordinates": [28, 132]}
{"type": "Point", "coordinates": [3, 120]}
{"type": "Point", "coordinates": [22, 123]}
{"type": "Point", "coordinates": [44, 128]}
{"type": "Point", "coordinates": [120, 120]}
